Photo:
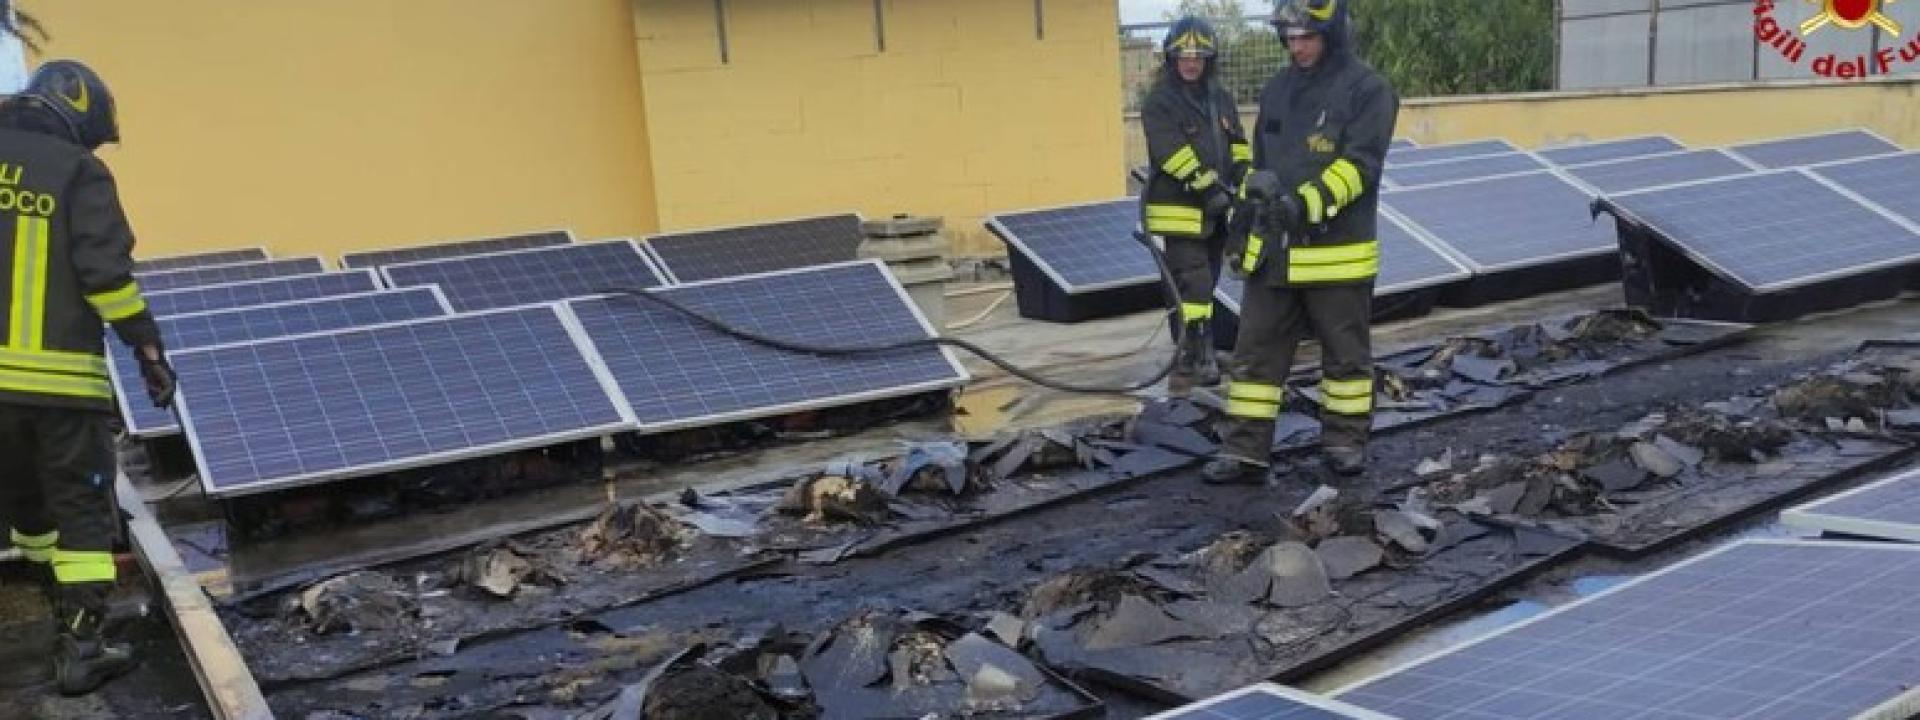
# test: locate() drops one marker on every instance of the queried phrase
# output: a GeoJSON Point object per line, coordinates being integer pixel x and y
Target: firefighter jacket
{"type": "Point", "coordinates": [1194, 143]}
{"type": "Point", "coordinates": [1324, 131]}
{"type": "Point", "coordinates": [66, 257]}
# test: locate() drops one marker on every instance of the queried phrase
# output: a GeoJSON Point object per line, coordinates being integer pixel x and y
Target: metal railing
{"type": "Point", "coordinates": [1251, 52]}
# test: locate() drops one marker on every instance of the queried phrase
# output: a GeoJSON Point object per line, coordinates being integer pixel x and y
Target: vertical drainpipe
{"type": "Point", "coordinates": [1559, 22]}
{"type": "Point", "coordinates": [720, 29]}
{"type": "Point", "coordinates": [879, 25]}
{"type": "Point", "coordinates": [1653, 43]}
{"type": "Point", "coordinates": [1039, 19]}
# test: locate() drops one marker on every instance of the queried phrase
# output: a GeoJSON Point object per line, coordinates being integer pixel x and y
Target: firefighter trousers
{"type": "Point", "coordinates": [1195, 264]}
{"type": "Point", "coordinates": [56, 490]}
{"type": "Point", "coordinates": [1273, 321]}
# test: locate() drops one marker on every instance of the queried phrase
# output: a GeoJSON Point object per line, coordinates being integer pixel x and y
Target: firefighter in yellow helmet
{"type": "Point", "coordinates": [1198, 153]}
{"type": "Point", "coordinates": [1309, 253]}
{"type": "Point", "coordinates": [66, 259]}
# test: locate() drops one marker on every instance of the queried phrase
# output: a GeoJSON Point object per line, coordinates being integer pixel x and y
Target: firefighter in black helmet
{"type": "Point", "coordinates": [1310, 253]}
{"type": "Point", "coordinates": [1198, 153]}
{"type": "Point", "coordinates": [66, 257]}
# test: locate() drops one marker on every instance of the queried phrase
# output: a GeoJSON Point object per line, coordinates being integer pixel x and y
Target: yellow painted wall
{"type": "Point", "coordinates": [1701, 116]}
{"type": "Point", "coordinates": [965, 113]}
{"type": "Point", "coordinates": [322, 127]}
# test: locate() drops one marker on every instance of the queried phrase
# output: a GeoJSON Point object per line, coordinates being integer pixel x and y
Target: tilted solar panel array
{"type": "Point", "coordinates": [709, 254]}
{"type": "Point", "coordinates": [455, 248]}
{"type": "Point", "coordinates": [253, 323]}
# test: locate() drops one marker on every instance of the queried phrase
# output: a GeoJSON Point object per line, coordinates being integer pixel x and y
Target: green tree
{"type": "Point", "coordinates": [1454, 47]}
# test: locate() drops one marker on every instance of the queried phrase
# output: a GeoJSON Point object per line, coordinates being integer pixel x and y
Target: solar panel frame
{"type": "Point", "coordinates": [1786, 284]}
{"type": "Point", "coordinates": [1584, 153]}
{"type": "Point", "coordinates": [1231, 301]}
{"type": "Point", "coordinates": [960, 374]}
{"type": "Point", "coordinates": [1592, 175]}
{"type": "Point", "coordinates": [1870, 511]}
{"type": "Point", "coordinates": [1464, 255]}
{"type": "Point", "coordinates": [1904, 703]}
{"type": "Point", "coordinates": [1402, 144]}
{"type": "Point", "coordinates": [157, 302]}
{"type": "Point", "coordinates": [123, 376]}
{"type": "Point", "coordinates": [386, 272]}
{"type": "Point", "coordinates": [231, 272]}
{"type": "Point", "coordinates": [596, 365]}
{"type": "Point", "coordinates": [188, 261]}
{"type": "Point", "coordinates": [999, 228]}
{"type": "Point", "coordinates": [1269, 701]}
{"type": "Point", "coordinates": [354, 260]}
{"type": "Point", "coordinates": [1908, 207]}
{"type": "Point", "coordinates": [1753, 152]}
{"type": "Point", "coordinates": [1453, 150]}
{"type": "Point", "coordinates": [1438, 172]}
{"type": "Point", "coordinates": [651, 242]}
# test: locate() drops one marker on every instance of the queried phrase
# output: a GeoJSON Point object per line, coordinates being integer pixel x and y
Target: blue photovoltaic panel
{"type": "Point", "coordinates": [1508, 222]}
{"type": "Point", "coordinates": [1082, 248]}
{"type": "Point", "coordinates": [1885, 510]}
{"type": "Point", "coordinates": [1890, 182]}
{"type": "Point", "coordinates": [1774, 230]}
{"type": "Point", "coordinates": [1441, 171]}
{"type": "Point", "coordinates": [1656, 170]}
{"type": "Point", "coordinates": [239, 272]}
{"type": "Point", "coordinates": [1267, 701]}
{"type": "Point", "coordinates": [521, 277]}
{"type": "Point", "coordinates": [1758, 630]}
{"type": "Point", "coordinates": [1450, 151]}
{"type": "Point", "coordinates": [372, 400]}
{"type": "Point", "coordinates": [677, 372]}
{"type": "Point", "coordinates": [1406, 263]}
{"type": "Point", "coordinates": [709, 254]}
{"type": "Point", "coordinates": [1791, 152]}
{"type": "Point", "coordinates": [457, 248]}
{"type": "Point", "coordinates": [1401, 144]}
{"type": "Point", "coordinates": [194, 260]}
{"type": "Point", "coordinates": [1608, 150]}
{"type": "Point", "coordinates": [260, 322]}
{"type": "Point", "coordinates": [260, 292]}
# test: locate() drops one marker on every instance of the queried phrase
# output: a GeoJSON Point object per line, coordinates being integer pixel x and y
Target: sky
{"type": "Point", "coordinates": [1139, 11]}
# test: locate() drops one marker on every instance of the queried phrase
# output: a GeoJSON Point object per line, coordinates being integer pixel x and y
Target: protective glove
{"type": "Point", "coordinates": [160, 378]}
{"type": "Point", "coordinates": [1240, 221]}
{"type": "Point", "coordinates": [1262, 185]}
{"type": "Point", "coordinates": [1283, 216]}
{"type": "Point", "coordinates": [1216, 200]}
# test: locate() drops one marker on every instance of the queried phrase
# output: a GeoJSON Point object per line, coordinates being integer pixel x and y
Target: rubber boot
{"type": "Point", "coordinates": [1231, 470]}
{"type": "Point", "coordinates": [1346, 461]}
{"type": "Point", "coordinates": [83, 658]}
{"type": "Point", "coordinates": [1206, 367]}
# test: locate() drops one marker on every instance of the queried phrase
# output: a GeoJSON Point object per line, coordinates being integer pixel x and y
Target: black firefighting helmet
{"type": "Point", "coordinates": [80, 98]}
{"type": "Point", "coordinates": [1327, 18]}
{"type": "Point", "coordinates": [1191, 36]}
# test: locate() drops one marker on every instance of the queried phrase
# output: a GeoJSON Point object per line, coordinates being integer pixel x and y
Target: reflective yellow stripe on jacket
{"type": "Point", "coordinates": [1163, 218]}
{"type": "Point", "coordinates": [1350, 262]}
{"type": "Point", "coordinates": [26, 321]}
{"type": "Point", "coordinates": [118, 304]}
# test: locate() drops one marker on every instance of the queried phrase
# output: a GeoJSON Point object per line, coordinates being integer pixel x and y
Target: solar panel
{"type": "Point", "coordinates": [1892, 182]}
{"type": "Point", "coordinates": [202, 259]}
{"type": "Point", "coordinates": [1267, 701]}
{"type": "Point", "coordinates": [1451, 151]}
{"type": "Point", "coordinates": [257, 292]}
{"type": "Point", "coordinates": [1811, 149]}
{"type": "Point", "coordinates": [677, 372]}
{"type": "Point", "coordinates": [237, 272]}
{"type": "Point", "coordinates": [1440, 171]}
{"type": "Point", "coordinates": [260, 322]}
{"type": "Point", "coordinates": [1773, 230]}
{"type": "Point", "coordinates": [1082, 248]}
{"type": "Point", "coordinates": [391, 397]}
{"type": "Point", "coordinates": [1639, 173]}
{"type": "Point", "coordinates": [456, 248]}
{"type": "Point", "coordinates": [1508, 221]}
{"type": "Point", "coordinates": [707, 254]}
{"type": "Point", "coordinates": [1885, 510]}
{"type": "Point", "coordinates": [1609, 150]}
{"type": "Point", "coordinates": [523, 277]}
{"type": "Point", "coordinates": [1759, 629]}
{"type": "Point", "coordinates": [1406, 263]}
